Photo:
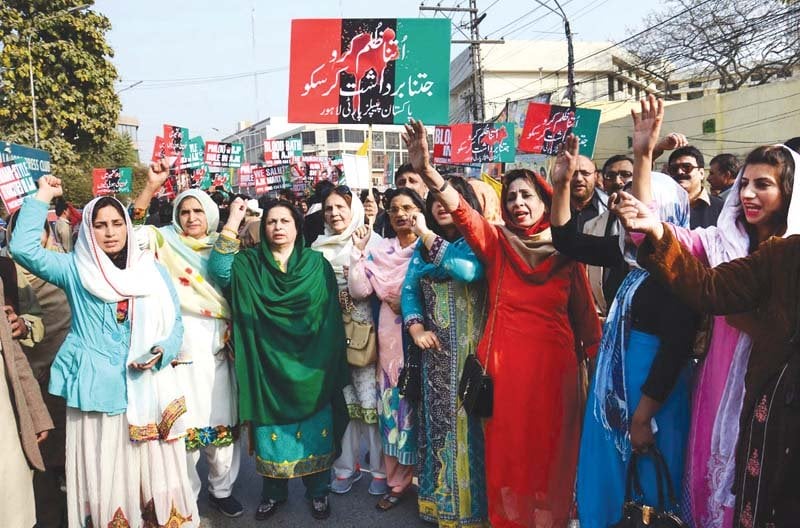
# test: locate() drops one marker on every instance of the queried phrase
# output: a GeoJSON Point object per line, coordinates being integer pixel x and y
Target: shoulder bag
{"type": "Point", "coordinates": [362, 347]}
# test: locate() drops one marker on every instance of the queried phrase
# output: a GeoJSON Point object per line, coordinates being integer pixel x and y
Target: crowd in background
{"type": "Point", "coordinates": [523, 355]}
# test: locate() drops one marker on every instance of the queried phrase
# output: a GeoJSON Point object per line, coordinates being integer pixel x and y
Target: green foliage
{"type": "Point", "coordinates": [77, 107]}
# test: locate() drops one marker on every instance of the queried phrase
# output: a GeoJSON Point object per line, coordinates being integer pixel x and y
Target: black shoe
{"type": "Point", "coordinates": [227, 506]}
{"type": "Point", "coordinates": [320, 507]}
{"type": "Point", "coordinates": [266, 509]}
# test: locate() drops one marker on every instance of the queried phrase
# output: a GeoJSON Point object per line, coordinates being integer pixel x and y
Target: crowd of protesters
{"type": "Point", "coordinates": [523, 356]}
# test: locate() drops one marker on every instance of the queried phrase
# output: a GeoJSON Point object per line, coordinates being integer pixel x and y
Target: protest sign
{"type": "Point", "coordinates": [260, 180]}
{"type": "Point", "coordinates": [356, 170]}
{"type": "Point", "coordinates": [245, 175]}
{"type": "Point", "coordinates": [226, 155]}
{"type": "Point", "coordinates": [474, 143]}
{"type": "Point", "coordinates": [192, 156]}
{"type": "Point", "coordinates": [36, 160]}
{"type": "Point", "coordinates": [369, 70]}
{"type": "Point", "coordinates": [16, 182]}
{"type": "Point", "coordinates": [282, 150]}
{"type": "Point", "coordinates": [112, 181]}
{"type": "Point", "coordinates": [547, 127]}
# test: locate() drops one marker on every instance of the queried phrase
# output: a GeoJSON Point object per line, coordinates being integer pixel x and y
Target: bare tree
{"type": "Point", "coordinates": [737, 42]}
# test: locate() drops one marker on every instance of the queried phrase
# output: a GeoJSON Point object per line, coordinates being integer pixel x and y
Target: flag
{"type": "Point", "coordinates": [496, 185]}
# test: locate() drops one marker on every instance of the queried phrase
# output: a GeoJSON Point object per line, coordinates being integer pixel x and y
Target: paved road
{"type": "Point", "coordinates": [353, 510]}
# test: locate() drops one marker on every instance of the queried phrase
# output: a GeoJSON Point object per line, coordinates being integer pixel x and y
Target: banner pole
{"type": "Point", "coordinates": [369, 155]}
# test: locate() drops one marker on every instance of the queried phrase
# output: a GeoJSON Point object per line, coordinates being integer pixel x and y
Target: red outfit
{"type": "Point", "coordinates": [541, 315]}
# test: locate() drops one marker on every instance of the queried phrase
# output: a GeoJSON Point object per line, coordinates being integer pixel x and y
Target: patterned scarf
{"type": "Point", "coordinates": [611, 396]}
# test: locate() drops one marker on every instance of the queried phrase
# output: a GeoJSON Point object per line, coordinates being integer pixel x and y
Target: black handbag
{"type": "Point", "coordinates": [475, 388]}
{"type": "Point", "coordinates": [636, 514]}
{"type": "Point", "coordinates": [409, 382]}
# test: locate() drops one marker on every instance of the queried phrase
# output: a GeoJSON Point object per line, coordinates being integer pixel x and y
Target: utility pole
{"type": "Point", "coordinates": [474, 41]}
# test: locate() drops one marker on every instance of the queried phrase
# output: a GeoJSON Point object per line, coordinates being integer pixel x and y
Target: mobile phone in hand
{"type": "Point", "coordinates": [147, 358]}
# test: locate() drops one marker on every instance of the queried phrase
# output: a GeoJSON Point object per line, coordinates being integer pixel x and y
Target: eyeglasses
{"type": "Point", "coordinates": [408, 209]}
{"type": "Point", "coordinates": [613, 175]}
{"type": "Point", "coordinates": [583, 173]}
{"type": "Point", "coordinates": [677, 168]}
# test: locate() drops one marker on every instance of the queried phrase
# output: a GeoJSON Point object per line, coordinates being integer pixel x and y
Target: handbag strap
{"type": "Point", "coordinates": [485, 364]}
{"type": "Point", "coordinates": [633, 486]}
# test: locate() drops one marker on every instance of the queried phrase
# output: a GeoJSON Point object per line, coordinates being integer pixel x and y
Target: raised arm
{"type": "Point", "coordinates": [156, 176]}
{"type": "Point", "coordinates": [646, 128]}
{"type": "Point", "coordinates": [358, 282]}
{"type": "Point", "coordinates": [732, 287]}
{"type": "Point", "coordinates": [26, 247]}
{"type": "Point", "coordinates": [566, 162]}
{"type": "Point", "coordinates": [416, 140]}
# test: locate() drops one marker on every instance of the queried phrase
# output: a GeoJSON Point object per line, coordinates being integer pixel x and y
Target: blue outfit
{"type": "Point", "coordinates": [90, 369]}
{"type": "Point", "coordinates": [446, 293]}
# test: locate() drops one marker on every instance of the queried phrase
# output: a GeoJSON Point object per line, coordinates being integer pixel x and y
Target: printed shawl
{"type": "Point", "coordinates": [186, 259]}
{"type": "Point", "coordinates": [611, 398]}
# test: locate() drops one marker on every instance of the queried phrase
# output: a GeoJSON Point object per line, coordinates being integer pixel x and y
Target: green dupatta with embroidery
{"type": "Point", "coordinates": [288, 337]}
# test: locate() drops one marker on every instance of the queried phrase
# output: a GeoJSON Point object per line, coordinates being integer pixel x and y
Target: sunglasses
{"type": "Point", "coordinates": [677, 168]}
{"type": "Point", "coordinates": [613, 175]}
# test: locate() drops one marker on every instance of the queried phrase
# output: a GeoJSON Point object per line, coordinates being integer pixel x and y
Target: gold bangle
{"type": "Point", "coordinates": [230, 233]}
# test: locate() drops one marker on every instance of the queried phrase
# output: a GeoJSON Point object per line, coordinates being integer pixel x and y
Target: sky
{"type": "Point", "coordinates": [196, 58]}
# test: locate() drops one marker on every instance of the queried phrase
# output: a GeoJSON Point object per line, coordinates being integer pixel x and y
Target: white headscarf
{"type": "Point", "coordinates": [335, 247]}
{"type": "Point", "coordinates": [209, 207]}
{"type": "Point", "coordinates": [153, 396]}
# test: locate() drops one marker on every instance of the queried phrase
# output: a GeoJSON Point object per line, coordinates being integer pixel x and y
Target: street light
{"type": "Point", "coordinates": [30, 62]}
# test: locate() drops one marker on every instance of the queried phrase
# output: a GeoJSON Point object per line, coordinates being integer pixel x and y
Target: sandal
{"type": "Point", "coordinates": [390, 500]}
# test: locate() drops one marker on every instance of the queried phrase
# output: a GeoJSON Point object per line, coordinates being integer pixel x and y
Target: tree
{"type": "Point", "coordinates": [74, 78]}
{"type": "Point", "coordinates": [736, 42]}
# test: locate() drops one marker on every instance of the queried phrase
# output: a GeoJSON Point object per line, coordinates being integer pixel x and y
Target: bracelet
{"type": "Point", "coordinates": [442, 188]}
{"type": "Point", "coordinates": [230, 233]}
{"type": "Point", "coordinates": [426, 236]}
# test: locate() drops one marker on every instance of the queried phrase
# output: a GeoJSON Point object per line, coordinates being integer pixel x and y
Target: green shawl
{"type": "Point", "coordinates": [288, 337]}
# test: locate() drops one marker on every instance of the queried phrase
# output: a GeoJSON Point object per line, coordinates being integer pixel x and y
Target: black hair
{"type": "Point", "coordinates": [411, 194]}
{"type": "Point", "coordinates": [376, 194]}
{"type": "Point", "coordinates": [402, 169]}
{"type": "Point", "coordinates": [321, 189]}
{"type": "Point", "coordinates": [120, 260]}
{"type": "Point", "coordinates": [688, 150]}
{"type": "Point", "coordinates": [297, 216]}
{"type": "Point", "coordinates": [61, 205]}
{"type": "Point", "coordinates": [464, 189]}
{"type": "Point", "coordinates": [781, 159]}
{"type": "Point", "coordinates": [616, 159]}
{"type": "Point", "coordinates": [793, 143]}
{"type": "Point", "coordinates": [727, 163]}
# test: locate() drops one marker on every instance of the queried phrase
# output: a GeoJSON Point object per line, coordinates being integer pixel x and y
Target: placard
{"type": "Point", "coordinates": [36, 160]}
{"type": "Point", "coordinates": [474, 143]}
{"type": "Point", "coordinates": [547, 127]}
{"type": "Point", "coordinates": [16, 182]}
{"type": "Point", "coordinates": [226, 155]}
{"type": "Point", "coordinates": [369, 70]}
{"type": "Point", "coordinates": [282, 149]}
{"type": "Point", "coordinates": [112, 181]}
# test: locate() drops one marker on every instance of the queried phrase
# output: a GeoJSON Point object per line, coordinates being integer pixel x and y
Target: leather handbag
{"type": "Point", "coordinates": [475, 388]}
{"type": "Point", "coordinates": [409, 383]}
{"type": "Point", "coordinates": [362, 343]}
{"type": "Point", "coordinates": [636, 514]}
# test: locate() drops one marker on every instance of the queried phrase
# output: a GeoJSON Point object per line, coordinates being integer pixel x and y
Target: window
{"type": "Point", "coordinates": [377, 140]}
{"type": "Point", "coordinates": [335, 153]}
{"type": "Point", "coordinates": [630, 89]}
{"type": "Point", "coordinates": [378, 159]}
{"type": "Point", "coordinates": [392, 140]}
{"type": "Point", "coordinates": [610, 87]}
{"type": "Point", "coordinates": [620, 85]}
{"type": "Point", "coordinates": [673, 87]}
{"type": "Point", "coordinates": [334, 135]}
{"type": "Point", "coordinates": [309, 138]}
{"type": "Point", "coordinates": [353, 136]}
{"type": "Point", "coordinates": [695, 84]}
{"type": "Point", "coordinates": [693, 95]}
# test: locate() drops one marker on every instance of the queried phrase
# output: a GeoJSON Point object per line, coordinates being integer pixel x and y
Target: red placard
{"type": "Point", "coordinates": [325, 34]}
